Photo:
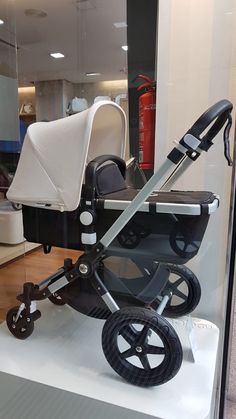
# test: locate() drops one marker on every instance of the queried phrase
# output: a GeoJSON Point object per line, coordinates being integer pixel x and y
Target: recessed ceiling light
{"type": "Point", "coordinates": [125, 47]}
{"type": "Point", "coordinates": [1, 22]}
{"type": "Point", "coordinates": [93, 74]}
{"type": "Point", "coordinates": [84, 5]}
{"type": "Point", "coordinates": [119, 25]}
{"type": "Point", "coordinates": [35, 13]}
{"type": "Point", "coordinates": [57, 55]}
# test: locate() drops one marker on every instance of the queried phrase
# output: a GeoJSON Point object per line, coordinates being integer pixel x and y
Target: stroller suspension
{"type": "Point", "coordinates": [138, 343]}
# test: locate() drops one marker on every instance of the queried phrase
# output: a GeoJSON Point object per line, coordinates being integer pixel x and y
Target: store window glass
{"type": "Point", "coordinates": [121, 267]}
{"type": "Point", "coordinates": [8, 73]}
{"type": "Point", "coordinates": [11, 138]}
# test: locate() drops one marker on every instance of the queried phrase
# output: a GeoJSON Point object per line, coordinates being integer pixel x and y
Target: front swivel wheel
{"type": "Point", "coordinates": [141, 346]}
{"type": "Point", "coordinates": [21, 327]}
{"type": "Point", "coordinates": [184, 289]}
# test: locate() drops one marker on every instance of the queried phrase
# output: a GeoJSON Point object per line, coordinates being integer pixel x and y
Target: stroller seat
{"type": "Point", "coordinates": [169, 226]}
{"type": "Point", "coordinates": [187, 202]}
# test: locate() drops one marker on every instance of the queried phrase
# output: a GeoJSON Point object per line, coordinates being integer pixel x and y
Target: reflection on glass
{"type": "Point", "coordinates": [92, 66]}
{"type": "Point", "coordinates": [8, 82]}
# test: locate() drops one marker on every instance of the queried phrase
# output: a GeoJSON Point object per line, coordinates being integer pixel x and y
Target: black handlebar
{"type": "Point", "coordinates": [218, 113]}
{"type": "Point", "coordinates": [209, 124]}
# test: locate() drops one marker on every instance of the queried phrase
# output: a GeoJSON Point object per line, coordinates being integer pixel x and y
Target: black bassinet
{"type": "Point", "coordinates": [168, 227]}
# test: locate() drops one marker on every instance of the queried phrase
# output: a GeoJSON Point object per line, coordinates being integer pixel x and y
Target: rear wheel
{"type": "Point", "coordinates": [128, 238]}
{"type": "Point", "coordinates": [183, 244]}
{"type": "Point", "coordinates": [141, 346]}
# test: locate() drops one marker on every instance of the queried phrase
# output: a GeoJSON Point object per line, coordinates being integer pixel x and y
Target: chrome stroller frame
{"type": "Point", "coordinates": [121, 321]}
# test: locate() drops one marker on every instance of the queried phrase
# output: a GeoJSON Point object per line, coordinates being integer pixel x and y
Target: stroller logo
{"type": "Point", "coordinates": [195, 323]}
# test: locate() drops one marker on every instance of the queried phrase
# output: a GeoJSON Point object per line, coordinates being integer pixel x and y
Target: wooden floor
{"type": "Point", "coordinates": [10, 252]}
{"type": "Point", "coordinates": [33, 267]}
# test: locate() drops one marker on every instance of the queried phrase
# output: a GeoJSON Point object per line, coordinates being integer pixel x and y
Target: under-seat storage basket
{"type": "Point", "coordinates": [169, 226]}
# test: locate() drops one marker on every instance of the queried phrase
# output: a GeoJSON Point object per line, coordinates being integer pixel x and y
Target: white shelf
{"type": "Point", "coordinates": [12, 242]}
{"type": "Point", "coordinates": [10, 252]}
{"type": "Point", "coordinates": [65, 352]}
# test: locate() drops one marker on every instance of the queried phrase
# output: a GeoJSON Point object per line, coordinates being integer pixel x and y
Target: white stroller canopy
{"type": "Point", "coordinates": [51, 168]}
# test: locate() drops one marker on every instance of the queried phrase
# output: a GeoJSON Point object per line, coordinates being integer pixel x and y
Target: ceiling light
{"type": "Point", "coordinates": [57, 55]}
{"type": "Point", "coordinates": [93, 74]}
{"type": "Point", "coordinates": [84, 5]}
{"type": "Point", "coordinates": [35, 13]}
{"type": "Point", "coordinates": [1, 22]}
{"type": "Point", "coordinates": [26, 89]}
{"type": "Point", "coordinates": [119, 25]}
{"type": "Point", "coordinates": [125, 47]}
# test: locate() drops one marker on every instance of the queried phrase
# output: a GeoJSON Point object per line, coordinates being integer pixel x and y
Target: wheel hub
{"type": "Point", "coordinates": [139, 349]}
{"type": "Point", "coordinates": [83, 268]}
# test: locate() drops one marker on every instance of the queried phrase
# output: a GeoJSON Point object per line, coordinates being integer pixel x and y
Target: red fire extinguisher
{"type": "Point", "coordinates": [147, 111]}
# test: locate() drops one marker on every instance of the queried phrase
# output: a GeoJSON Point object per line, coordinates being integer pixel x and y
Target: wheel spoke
{"type": "Point", "coordinates": [177, 283]}
{"type": "Point", "coordinates": [143, 335]}
{"type": "Point", "coordinates": [129, 334]}
{"type": "Point", "coordinates": [186, 246]}
{"type": "Point", "coordinates": [126, 354]}
{"type": "Point", "coordinates": [155, 350]}
{"type": "Point", "coordinates": [180, 239]}
{"type": "Point", "coordinates": [145, 362]}
{"type": "Point", "coordinates": [180, 294]}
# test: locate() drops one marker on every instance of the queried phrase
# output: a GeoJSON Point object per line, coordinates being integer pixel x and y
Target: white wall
{"type": "Point", "coordinates": [54, 96]}
{"type": "Point", "coordinates": [195, 68]}
{"type": "Point", "coordinates": [110, 88]}
{"type": "Point", "coordinates": [49, 100]}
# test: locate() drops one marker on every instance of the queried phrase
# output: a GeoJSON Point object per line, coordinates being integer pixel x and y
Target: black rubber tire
{"type": "Point", "coordinates": [131, 235]}
{"type": "Point", "coordinates": [22, 332]}
{"type": "Point", "coordinates": [181, 244]}
{"type": "Point", "coordinates": [128, 238]}
{"type": "Point", "coordinates": [56, 299]}
{"type": "Point", "coordinates": [192, 296]}
{"type": "Point", "coordinates": [120, 323]}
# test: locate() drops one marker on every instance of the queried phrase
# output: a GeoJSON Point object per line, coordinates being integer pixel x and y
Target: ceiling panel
{"type": "Point", "coordinates": [83, 31]}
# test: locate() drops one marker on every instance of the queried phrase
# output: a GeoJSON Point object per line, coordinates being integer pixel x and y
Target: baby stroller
{"type": "Point", "coordinates": [88, 207]}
